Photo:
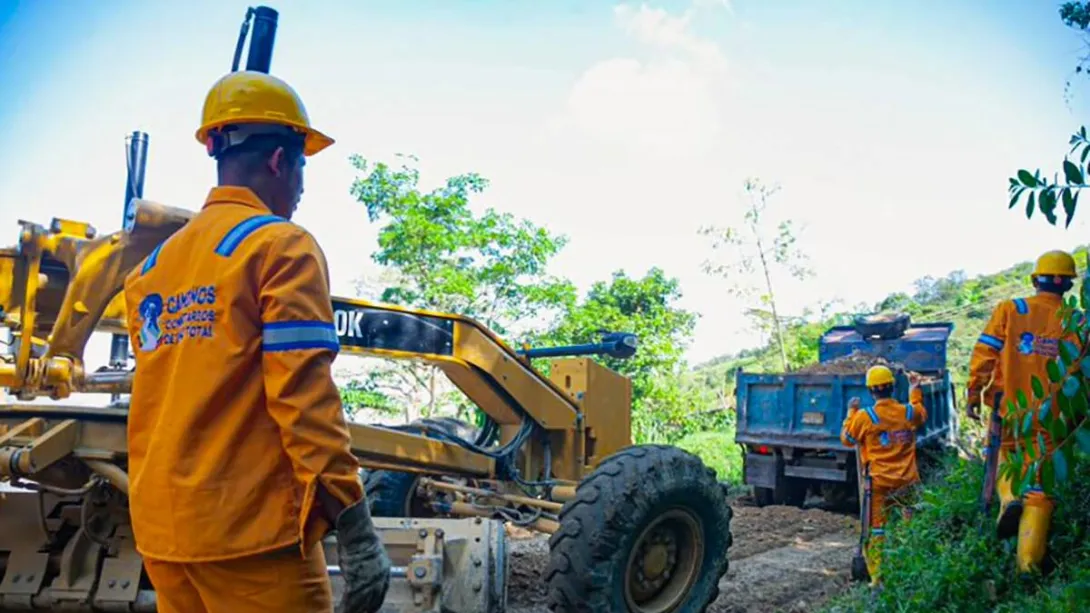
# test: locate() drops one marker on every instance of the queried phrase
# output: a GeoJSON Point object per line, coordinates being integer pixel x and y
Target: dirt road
{"type": "Point", "coordinates": [783, 559]}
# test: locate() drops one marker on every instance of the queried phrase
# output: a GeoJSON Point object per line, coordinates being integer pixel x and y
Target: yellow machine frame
{"type": "Point", "coordinates": [61, 284]}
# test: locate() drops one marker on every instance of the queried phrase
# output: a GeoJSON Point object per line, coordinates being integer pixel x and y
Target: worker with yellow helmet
{"type": "Point", "coordinates": [1017, 343]}
{"type": "Point", "coordinates": [239, 451]}
{"type": "Point", "coordinates": [885, 437]}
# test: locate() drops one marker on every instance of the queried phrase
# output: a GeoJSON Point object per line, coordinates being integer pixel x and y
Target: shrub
{"type": "Point", "coordinates": [719, 452]}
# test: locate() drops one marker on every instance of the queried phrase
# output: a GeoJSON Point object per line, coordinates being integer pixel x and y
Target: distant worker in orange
{"type": "Point", "coordinates": [238, 445]}
{"type": "Point", "coordinates": [885, 436]}
{"type": "Point", "coordinates": [1017, 343]}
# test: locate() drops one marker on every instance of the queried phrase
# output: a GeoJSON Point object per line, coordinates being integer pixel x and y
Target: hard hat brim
{"type": "Point", "coordinates": [314, 142]}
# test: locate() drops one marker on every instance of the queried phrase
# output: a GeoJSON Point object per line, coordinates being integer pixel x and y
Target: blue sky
{"type": "Point", "coordinates": [892, 128]}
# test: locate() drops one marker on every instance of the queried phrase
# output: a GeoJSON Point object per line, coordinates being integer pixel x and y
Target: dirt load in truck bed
{"type": "Point", "coordinates": [854, 364]}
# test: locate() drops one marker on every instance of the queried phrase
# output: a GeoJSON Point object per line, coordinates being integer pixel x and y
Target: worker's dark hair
{"type": "Point", "coordinates": [1046, 283]}
{"type": "Point", "coordinates": [882, 391]}
{"type": "Point", "coordinates": [253, 152]}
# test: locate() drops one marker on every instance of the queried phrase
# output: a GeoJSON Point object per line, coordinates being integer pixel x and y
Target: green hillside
{"type": "Point", "coordinates": [957, 298]}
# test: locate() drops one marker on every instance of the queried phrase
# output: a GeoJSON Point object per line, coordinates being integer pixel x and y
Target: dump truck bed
{"type": "Point", "coordinates": [807, 410]}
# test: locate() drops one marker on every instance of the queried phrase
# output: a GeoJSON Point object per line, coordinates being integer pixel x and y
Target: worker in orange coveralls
{"type": "Point", "coordinates": [1019, 340]}
{"type": "Point", "coordinates": [238, 446]}
{"type": "Point", "coordinates": [885, 435]}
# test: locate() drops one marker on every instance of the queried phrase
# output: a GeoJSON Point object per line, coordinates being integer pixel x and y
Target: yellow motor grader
{"type": "Point", "coordinates": [634, 528]}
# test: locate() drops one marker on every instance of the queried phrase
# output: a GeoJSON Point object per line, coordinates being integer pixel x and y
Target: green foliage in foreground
{"type": "Point", "coordinates": [719, 452]}
{"type": "Point", "coordinates": [947, 559]}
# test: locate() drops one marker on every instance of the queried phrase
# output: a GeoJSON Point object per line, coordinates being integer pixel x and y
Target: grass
{"type": "Point", "coordinates": [719, 452]}
{"type": "Point", "coordinates": [947, 559]}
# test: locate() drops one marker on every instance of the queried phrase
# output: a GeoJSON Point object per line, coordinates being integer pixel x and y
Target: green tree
{"type": "Point", "coordinates": [1076, 15]}
{"type": "Point", "coordinates": [490, 266]}
{"type": "Point", "coordinates": [443, 255]}
{"type": "Point", "coordinates": [647, 308]}
{"type": "Point", "coordinates": [754, 254]}
{"type": "Point", "coordinates": [366, 393]}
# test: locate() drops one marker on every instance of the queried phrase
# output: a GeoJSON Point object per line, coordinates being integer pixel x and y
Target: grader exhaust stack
{"type": "Point", "coordinates": [634, 528]}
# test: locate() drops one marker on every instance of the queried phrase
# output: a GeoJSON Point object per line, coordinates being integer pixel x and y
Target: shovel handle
{"type": "Point", "coordinates": [991, 458]}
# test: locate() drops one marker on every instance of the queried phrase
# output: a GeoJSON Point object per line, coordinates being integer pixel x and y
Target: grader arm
{"type": "Point", "coordinates": [64, 284]}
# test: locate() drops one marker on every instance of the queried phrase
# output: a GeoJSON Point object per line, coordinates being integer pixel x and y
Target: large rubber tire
{"type": "Point", "coordinates": [391, 493]}
{"type": "Point", "coordinates": [601, 528]}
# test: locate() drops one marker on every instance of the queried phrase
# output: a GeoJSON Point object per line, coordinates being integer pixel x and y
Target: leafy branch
{"type": "Point", "coordinates": [1044, 195]}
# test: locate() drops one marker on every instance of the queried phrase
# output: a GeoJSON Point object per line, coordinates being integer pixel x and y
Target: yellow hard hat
{"type": "Point", "coordinates": [250, 97]}
{"type": "Point", "coordinates": [877, 376]}
{"type": "Point", "coordinates": [1055, 264]}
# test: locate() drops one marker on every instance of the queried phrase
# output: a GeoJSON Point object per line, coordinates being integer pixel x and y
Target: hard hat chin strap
{"type": "Point", "coordinates": [220, 140]}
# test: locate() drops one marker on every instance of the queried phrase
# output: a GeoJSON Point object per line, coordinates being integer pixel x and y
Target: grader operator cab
{"type": "Point", "coordinates": [634, 528]}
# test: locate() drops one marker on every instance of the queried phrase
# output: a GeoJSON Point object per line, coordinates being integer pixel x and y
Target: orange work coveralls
{"type": "Point", "coordinates": [1018, 341]}
{"type": "Point", "coordinates": [234, 420]}
{"type": "Point", "coordinates": [885, 435]}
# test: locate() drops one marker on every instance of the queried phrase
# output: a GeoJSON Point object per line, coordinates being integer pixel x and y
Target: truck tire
{"type": "Point", "coordinates": [788, 491]}
{"type": "Point", "coordinates": [646, 510]}
{"type": "Point", "coordinates": [765, 496]}
{"type": "Point", "coordinates": [391, 493]}
{"type": "Point", "coordinates": [794, 492]}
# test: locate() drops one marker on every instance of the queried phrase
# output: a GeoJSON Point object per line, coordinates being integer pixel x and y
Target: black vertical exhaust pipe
{"type": "Point", "coordinates": [262, 39]}
{"type": "Point", "coordinates": [259, 58]}
{"type": "Point", "coordinates": [136, 155]}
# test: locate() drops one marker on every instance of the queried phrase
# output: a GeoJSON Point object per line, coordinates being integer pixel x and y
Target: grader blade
{"type": "Point", "coordinates": [51, 561]}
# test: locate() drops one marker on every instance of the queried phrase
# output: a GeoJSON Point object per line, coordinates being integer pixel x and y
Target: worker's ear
{"type": "Point", "coordinates": [276, 162]}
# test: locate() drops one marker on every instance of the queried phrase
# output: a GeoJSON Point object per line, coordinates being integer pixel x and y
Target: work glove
{"type": "Point", "coordinates": [972, 407]}
{"type": "Point", "coordinates": [363, 561]}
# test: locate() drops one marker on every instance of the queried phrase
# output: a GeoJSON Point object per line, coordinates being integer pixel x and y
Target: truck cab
{"type": "Point", "coordinates": [789, 423]}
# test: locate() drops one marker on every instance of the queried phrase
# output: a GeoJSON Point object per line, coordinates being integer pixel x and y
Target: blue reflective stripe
{"type": "Point", "coordinates": [991, 341]}
{"type": "Point", "coordinates": [239, 233]}
{"type": "Point", "coordinates": [878, 531]}
{"type": "Point", "coordinates": [872, 414]}
{"type": "Point", "coordinates": [1021, 306]}
{"type": "Point", "coordinates": [297, 335]}
{"type": "Point", "coordinates": [909, 411]}
{"type": "Point", "coordinates": [152, 258]}
{"type": "Point", "coordinates": [851, 439]}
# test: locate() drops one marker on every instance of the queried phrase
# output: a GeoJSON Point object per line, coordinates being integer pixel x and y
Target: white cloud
{"type": "Point", "coordinates": [665, 103]}
{"type": "Point", "coordinates": [658, 28]}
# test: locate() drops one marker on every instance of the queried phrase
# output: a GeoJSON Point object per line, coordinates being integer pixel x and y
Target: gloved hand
{"type": "Point", "coordinates": [972, 407]}
{"type": "Point", "coordinates": [853, 405]}
{"type": "Point", "coordinates": [363, 561]}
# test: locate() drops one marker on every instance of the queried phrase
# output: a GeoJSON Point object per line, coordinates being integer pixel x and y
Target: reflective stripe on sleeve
{"type": "Point", "coordinates": [991, 341]}
{"type": "Point", "coordinates": [299, 335]}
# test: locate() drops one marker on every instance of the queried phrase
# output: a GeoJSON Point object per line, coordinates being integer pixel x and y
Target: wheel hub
{"type": "Point", "coordinates": [664, 563]}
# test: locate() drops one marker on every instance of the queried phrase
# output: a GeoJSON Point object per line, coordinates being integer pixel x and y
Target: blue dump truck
{"type": "Point", "coordinates": [789, 423]}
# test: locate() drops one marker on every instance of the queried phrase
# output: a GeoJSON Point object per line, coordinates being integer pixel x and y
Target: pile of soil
{"type": "Point", "coordinates": [855, 363]}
